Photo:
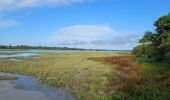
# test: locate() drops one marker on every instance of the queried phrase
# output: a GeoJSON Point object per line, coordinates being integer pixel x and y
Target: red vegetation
{"type": "Point", "coordinates": [128, 72]}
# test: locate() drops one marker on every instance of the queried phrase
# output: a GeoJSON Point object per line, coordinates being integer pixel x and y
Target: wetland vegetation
{"type": "Point", "coordinates": [87, 74]}
{"type": "Point", "coordinates": [7, 78]}
{"type": "Point", "coordinates": [83, 77]}
{"type": "Point", "coordinates": [96, 75]}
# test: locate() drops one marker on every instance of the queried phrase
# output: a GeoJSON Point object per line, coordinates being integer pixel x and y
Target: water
{"type": "Point", "coordinates": [14, 59]}
{"type": "Point", "coordinates": [36, 51]}
{"type": "Point", "coordinates": [53, 51]}
{"type": "Point", "coordinates": [18, 55]}
{"type": "Point", "coordinates": [28, 88]}
{"type": "Point", "coordinates": [28, 53]}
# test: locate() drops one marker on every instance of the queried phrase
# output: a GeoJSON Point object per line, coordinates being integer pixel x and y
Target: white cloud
{"type": "Point", "coordinates": [86, 30]}
{"type": "Point", "coordinates": [93, 36]}
{"type": "Point", "coordinates": [7, 23]}
{"type": "Point", "coordinates": [17, 4]}
{"type": "Point", "coordinates": [81, 32]}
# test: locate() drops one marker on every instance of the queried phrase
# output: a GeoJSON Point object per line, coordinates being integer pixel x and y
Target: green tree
{"type": "Point", "coordinates": [156, 44]}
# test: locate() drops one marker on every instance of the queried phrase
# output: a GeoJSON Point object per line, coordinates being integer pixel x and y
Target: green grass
{"type": "Point", "coordinates": [137, 80]}
{"type": "Point", "coordinates": [155, 82]}
{"type": "Point", "coordinates": [73, 71]}
{"type": "Point", "coordinates": [88, 77]}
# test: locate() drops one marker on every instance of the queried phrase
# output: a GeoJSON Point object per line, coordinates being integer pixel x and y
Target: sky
{"type": "Point", "coordinates": [90, 24]}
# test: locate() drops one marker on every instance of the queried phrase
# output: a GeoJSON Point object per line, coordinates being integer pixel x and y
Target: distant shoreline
{"type": "Point", "coordinates": [26, 47]}
{"type": "Point", "coordinates": [67, 50]}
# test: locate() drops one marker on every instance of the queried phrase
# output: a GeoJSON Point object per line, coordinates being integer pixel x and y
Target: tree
{"type": "Point", "coordinates": [143, 50]}
{"type": "Point", "coordinates": [156, 44]}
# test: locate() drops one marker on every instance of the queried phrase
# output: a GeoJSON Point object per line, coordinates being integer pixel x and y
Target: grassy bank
{"type": "Point", "coordinates": [7, 78]}
{"type": "Point", "coordinates": [97, 75]}
{"type": "Point", "coordinates": [85, 78]}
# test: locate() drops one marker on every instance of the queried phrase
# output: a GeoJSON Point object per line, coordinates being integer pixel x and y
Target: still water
{"type": "Point", "coordinates": [28, 88]}
{"type": "Point", "coordinates": [27, 53]}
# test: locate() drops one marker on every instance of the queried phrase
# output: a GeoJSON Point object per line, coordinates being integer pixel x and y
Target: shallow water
{"type": "Point", "coordinates": [29, 53]}
{"type": "Point", "coordinates": [14, 59]}
{"type": "Point", "coordinates": [28, 88]}
{"type": "Point", "coordinates": [36, 51]}
{"type": "Point", "coordinates": [53, 51]}
{"type": "Point", "coordinates": [18, 55]}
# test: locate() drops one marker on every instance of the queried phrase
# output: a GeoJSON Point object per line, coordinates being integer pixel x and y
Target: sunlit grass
{"type": "Point", "coordinates": [96, 75]}
{"type": "Point", "coordinates": [72, 71]}
{"type": "Point", "coordinates": [136, 81]}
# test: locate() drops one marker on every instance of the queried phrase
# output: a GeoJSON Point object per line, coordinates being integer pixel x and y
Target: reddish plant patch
{"type": "Point", "coordinates": [128, 72]}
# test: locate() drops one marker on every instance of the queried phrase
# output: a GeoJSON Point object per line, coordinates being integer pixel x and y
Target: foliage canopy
{"type": "Point", "coordinates": [156, 44]}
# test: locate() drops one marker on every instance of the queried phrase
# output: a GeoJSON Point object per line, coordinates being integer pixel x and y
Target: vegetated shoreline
{"type": "Point", "coordinates": [27, 47]}
{"type": "Point", "coordinates": [3, 77]}
{"type": "Point", "coordinates": [97, 75]}
{"type": "Point", "coordinates": [73, 72]}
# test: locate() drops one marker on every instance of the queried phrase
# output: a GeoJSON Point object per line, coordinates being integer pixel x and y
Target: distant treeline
{"type": "Point", "coordinates": [37, 47]}
{"type": "Point", "coordinates": [54, 48]}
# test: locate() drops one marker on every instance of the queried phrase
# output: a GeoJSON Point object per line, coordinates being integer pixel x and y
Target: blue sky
{"type": "Point", "coordinates": [99, 24]}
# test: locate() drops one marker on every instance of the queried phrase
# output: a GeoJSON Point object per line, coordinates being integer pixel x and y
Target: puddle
{"type": "Point", "coordinates": [14, 59]}
{"type": "Point", "coordinates": [57, 59]}
{"type": "Point", "coordinates": [28, 88]}
{"type": "Point", "coordinates": [18, 55]}
{"type": "Point", "coordinates": [34, 57]}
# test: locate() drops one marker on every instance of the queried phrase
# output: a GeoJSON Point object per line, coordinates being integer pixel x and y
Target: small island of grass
{"type": "Point", "coordinates": [5, 77]}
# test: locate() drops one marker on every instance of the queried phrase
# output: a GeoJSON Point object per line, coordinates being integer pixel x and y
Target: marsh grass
{"type": "Point", "coordinates": [128, 71]}
{"type": "Point", "coordinates": [7, 77]}
{"type": "Point", "coordinates": [136, 81]}
{"type": "Point", "coordinates": [97, 75]}
{"type": "Point", "coordinates": [84, 78]}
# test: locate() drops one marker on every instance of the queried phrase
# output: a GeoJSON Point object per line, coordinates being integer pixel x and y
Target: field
{"type": "Point", "coordinates": [96, 75]}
